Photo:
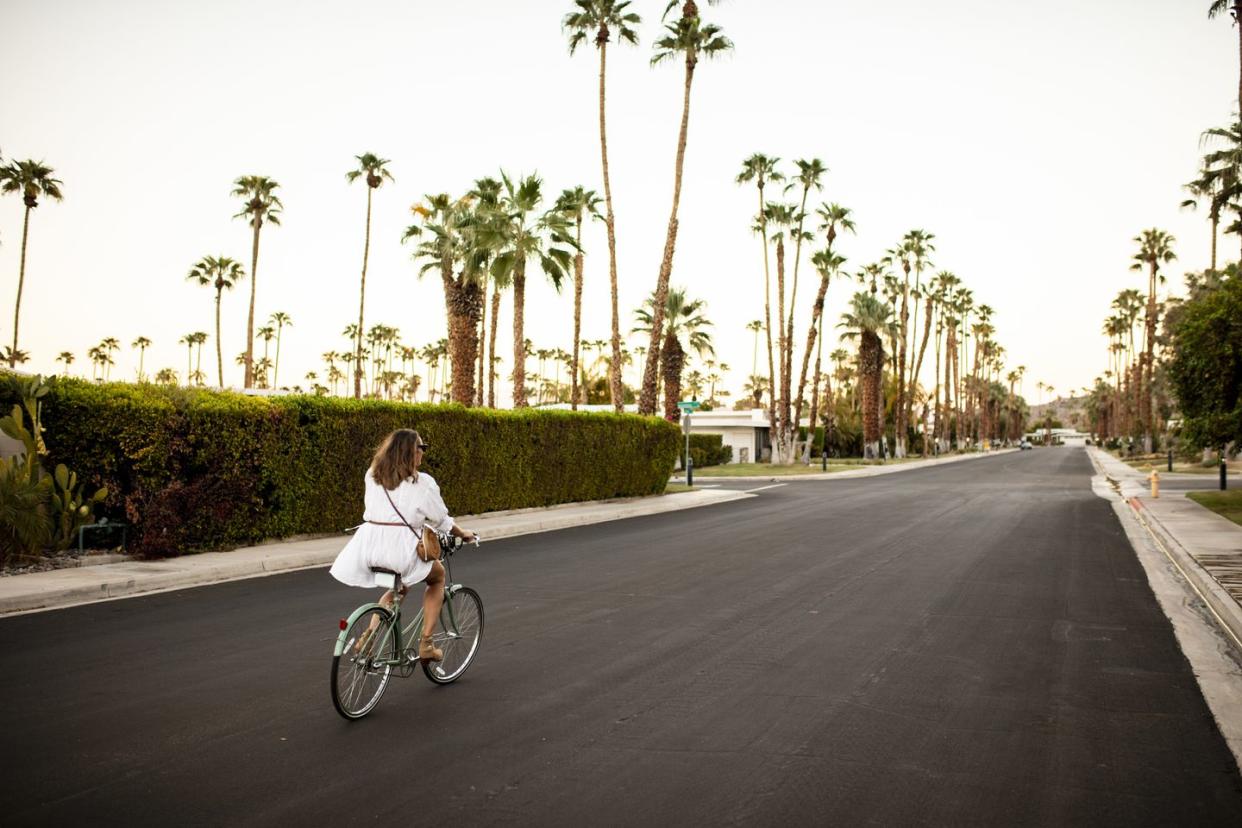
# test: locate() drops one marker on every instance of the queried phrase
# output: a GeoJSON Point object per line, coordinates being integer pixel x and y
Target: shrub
{"type": "Point", "coordinates": [705, 450]}
{"type": "Point", "coordinates": [196, 469]}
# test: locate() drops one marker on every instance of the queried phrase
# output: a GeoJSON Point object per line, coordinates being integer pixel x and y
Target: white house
{"type": "Point", "coordinates": [746, 432]}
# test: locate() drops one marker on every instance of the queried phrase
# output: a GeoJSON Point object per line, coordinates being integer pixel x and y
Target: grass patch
{"type": "Point", "coordinates": [674, 488]}
{"type": "Point", "coordinates": [1160, 463]}
{"type": "Point", "coordinates": [1227, 504]}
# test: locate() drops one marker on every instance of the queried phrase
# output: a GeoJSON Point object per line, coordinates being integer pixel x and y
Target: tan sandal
{"type": "Point", "coordinates": [428, 651]}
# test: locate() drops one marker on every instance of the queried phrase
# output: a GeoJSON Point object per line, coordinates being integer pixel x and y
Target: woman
{"type": "Point", "coordinates": [397, 494]}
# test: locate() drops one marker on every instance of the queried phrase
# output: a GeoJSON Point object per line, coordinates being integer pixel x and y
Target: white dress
{"type": "Point", "coordinates": [392, 547]}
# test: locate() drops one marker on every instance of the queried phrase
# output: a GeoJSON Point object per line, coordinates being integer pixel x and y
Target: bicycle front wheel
{"type": "Point", "coordinates": [458, 633]}
{"type": "Point", "coordinates": [361, 672]}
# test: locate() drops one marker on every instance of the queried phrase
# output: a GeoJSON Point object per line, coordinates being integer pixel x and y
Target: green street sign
{"type": "Point", "coordinates": [689, 405]}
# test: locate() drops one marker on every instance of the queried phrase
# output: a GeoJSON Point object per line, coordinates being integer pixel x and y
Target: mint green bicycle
{"type": "Point", "coordinates": [373, 645]}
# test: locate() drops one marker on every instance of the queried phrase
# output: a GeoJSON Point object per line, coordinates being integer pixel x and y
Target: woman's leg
{"type": "Point", "coordinates": [433, 598]}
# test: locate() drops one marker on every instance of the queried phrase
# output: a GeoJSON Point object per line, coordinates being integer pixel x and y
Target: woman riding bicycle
{"type": "Point", "coordinates": [399, 501]}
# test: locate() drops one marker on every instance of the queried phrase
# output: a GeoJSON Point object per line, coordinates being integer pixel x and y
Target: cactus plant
{"type": "Point", "coordinates": [37, 509]}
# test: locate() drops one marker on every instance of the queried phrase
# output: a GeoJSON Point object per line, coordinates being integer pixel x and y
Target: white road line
{"type": "Point", "coordinates": [761, 488]}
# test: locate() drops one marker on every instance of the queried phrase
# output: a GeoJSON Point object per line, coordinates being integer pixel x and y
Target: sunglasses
{"type": "Point", "coordinates": [423, 446]}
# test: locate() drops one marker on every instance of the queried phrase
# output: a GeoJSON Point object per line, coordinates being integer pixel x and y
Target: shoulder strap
{"type": "Point", "coordinates": [398, 511]}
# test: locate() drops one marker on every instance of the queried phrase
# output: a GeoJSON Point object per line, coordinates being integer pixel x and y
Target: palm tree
{"type": "Point", "coordinates": [166, 376]}
{"type": "Point", "coordinates": [486, 196]}
{"type": "Point", "coordinates": [67, 358]}
{"type": "Point", "coordinates": [1234, 7]}
{"type": "Point", "coordinates": [576, 204]}
{"type": "Point", "coordinates": [141, 343]}
{"type": "Point", "coordinates": [259, 204]}
{"type": "Point", "coordinates": [809, 175]}
{"type": "Point", "coordinates": [220, 273]}
{"type": "Point", "coordinates": [868, 321]}
{"type": "Point", "coordinates": [267, 333]}
{"type": "Point", "coordinates": [1207, 186]}
{"type": "Point", "coordinates": [693, 39]}
{"type": "Point", "coordinates": [521, 233]}
{"type": "Point", "coordinates": [108, 345]}
{"type": "Point", "coordinates": [189, 340]}
{"type": "Point", "coordinates": [781, 216]}
{"type": "Point", "coordinates": [32, 179]}
{"type": "Point", "coordinates": [599, 19]}
{"type": "Point", "coordinates": [1155, 249]}
{"type": "Point", "coordinates": [685, 320]}
{"type": "Point", "coordinates": [827, 264]}
{"type": "Point", "coordinates": [762, 169]}
{"type": "Point", "coordinates": [15, 356]}
{"type": "Point", "coordinates": [281, 320]}
{"type": "Point", "coordinates": [373, 170]}
{"type": "Point", "coordinates": [754, 326]}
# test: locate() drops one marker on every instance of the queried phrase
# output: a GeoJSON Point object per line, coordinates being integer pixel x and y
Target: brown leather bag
{"type": "Point", "coordinates": [428, 548]}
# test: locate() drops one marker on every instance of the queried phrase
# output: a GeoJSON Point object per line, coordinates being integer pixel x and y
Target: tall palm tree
{"type": "Point", "coordinates": [762, 169]}
{"type": "Point", "coordinates": [1234, 7]}
{"type": "Point", "coordinates": [486, 200]}
{"type": "Point", "coordinates": [1222, 170]}
{"type": "Point", "coordinates": [912, 253]}
{"type": "Point", "coordinates": [374, 171]}
{"type": "Point", "coordinates": [1207, 187]}
{"type": "Point", "coordinates": [808, 177]}
{"type": "Point", "coordinates": [1155, 249]}
{"type": "Point", "coordinates": [783, 217]}
{"type": "Point", "coordinates": [449, 250]}
{"type": "Point", "coordinates": [33, 180]}
{"type": "Point", "coordinates": [599, 19]}
{"type": "Point", "coordinates": [692, 39]}
{"type": "Point", "coordinates": [67, 358]}
{"type": "Point", "coordinates": [827, 264]}
{"type": "Point", "coordinates": [220, 273]}
{"type": "Point", "coordinates": [576, 204]}
{"type": "Point", "coordinates": [141, 343]}
{"type": "Point", "coordinates": [523, 233]}
{"type": "Point", "coordinates": [685, 321]}
{"type": "Point", "coordinates": [869, 320]}
{"type": "Point", "coordinates": [281, 320]}
{"type": "Point", "coordinates": [260, 204]}
{"type": "Point", "coordinates": [166, 376]}
{"type": "Point", "coordinates": [754, 327]}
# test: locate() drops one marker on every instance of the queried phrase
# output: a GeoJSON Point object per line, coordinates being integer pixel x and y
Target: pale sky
{"type": "Point", "coordinates": [1034, 140]}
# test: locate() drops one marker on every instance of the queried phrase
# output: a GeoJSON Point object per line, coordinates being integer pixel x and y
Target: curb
{"type": "Point", "coordinates": [855, 470]}
{"type": "Point", "coordinates": [1220, 602]}
{"type": "Point", "coordinates": [73, 586]}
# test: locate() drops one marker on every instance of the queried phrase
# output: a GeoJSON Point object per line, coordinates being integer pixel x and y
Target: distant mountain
{"type": "Point", "coordinates": [1068, 410]}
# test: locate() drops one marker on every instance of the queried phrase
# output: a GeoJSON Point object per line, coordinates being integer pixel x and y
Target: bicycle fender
{"type": "Point", "coordinates": [349, 622]}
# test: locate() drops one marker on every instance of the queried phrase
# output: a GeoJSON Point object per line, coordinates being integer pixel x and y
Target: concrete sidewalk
{"type": "Point", "coordinates": [858, 471]}
{"type": "Point", "coordinates": [1204, 546]}
{"type": "Point", "coordinates": [79, 585]}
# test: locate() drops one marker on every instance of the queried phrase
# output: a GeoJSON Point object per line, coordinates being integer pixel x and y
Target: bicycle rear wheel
{"type": "Point", "coordinates": [362, 670]}
{"type": "Point", "coordinates": [458, 636]}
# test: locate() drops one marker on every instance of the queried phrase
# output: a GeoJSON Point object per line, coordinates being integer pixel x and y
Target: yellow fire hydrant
{"type": "Point", "coordinates": [1155, 483]}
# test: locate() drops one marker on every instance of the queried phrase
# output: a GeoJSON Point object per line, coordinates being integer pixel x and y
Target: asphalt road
{"type": "Point", "coordinates": [973, 644]}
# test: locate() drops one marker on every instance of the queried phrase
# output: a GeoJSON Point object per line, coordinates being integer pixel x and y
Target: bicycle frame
{"type": "Point", "coordinates": [411, 630]}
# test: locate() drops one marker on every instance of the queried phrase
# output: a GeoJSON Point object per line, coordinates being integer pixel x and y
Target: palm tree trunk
{"type": "Point", "coordinates": [615, 387]}
{"type": "Point", "coordinates": [817, 311]}
{"type": "Point", "coordinates": [362, 296]}
{"type": "Point", "coordinates": [819, 353]}
{"type": "Point", "coordinates": [787, 365]}
{"type": "Point", "coordinates": [672, 361]}
{"type": "Point", "coordinates": [573, 392]}
{"type": "Point", "coordinates": [871, 368]}
{"type": "Point", "coordinates": [647, 400]}
{"type": "Point", "coordinates": [899, 412]}
{"type": "Point", "coordinates": [1215, 224]}
{"type": "Point", "coordinates": [219, 350]}
{"type": "Point", "coordinates": [519, 334]}
{"type": "Point", "coordinates": [481, 391]}
{"type": "Point", "coordinates": [957, 388]}
{"type": "Point", "coordinates": [248, 380]}
{"type": "Point", "coordinates": [783, 431]}
{"type": "Point", "coordinates": [767, 316]}
{"type": "Point", "coordinates": [936, 410]}
{"type": "Point", "coordinates": [1145, 401]}
{"type": "Point", "coordinates": [21, 281]}
{"type": "Point", "coordinates": [280, 327]}
{"type": "Point", "coordinates": [461, 299]}
{"type": "Point", "coordinates": [918, 363]}
{"type": "Point", "coordinates": [491, 347]}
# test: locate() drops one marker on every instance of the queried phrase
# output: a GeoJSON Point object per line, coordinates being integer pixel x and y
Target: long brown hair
{"type": "Point", "coordinates": [396, 459]}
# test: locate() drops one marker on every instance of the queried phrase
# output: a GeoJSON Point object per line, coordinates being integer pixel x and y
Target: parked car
{"type": "Point", "coordinates": [1024, 445]}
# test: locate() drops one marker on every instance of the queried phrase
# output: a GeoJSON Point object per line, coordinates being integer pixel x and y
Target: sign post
{"type": "Point", "coordinates": [686, 407]}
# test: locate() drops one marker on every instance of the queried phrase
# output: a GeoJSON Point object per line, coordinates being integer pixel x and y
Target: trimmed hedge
{"type": "Point", "coordinates": [195, 469]}
{"type": "Point", "coordinates": [705, 450]}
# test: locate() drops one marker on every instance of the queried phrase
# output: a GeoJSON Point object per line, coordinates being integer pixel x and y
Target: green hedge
{"type": "Point", "coordinates": [196, 469]}
{"type": "Point", "coordinates": [705, 450]}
